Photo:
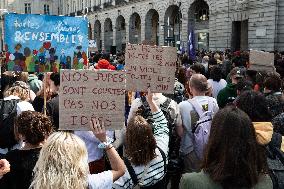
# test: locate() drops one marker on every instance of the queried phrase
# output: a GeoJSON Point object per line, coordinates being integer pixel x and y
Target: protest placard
{"type": "Point", "coordinates": [86, 94]}
{"type": "Point", "coordinates": [150, 66]}
{"type": "Point", "coordinates": [92, 46]}
{"type": "Point", "coordinates": [45, 43]}
{"type": "Point", "coordinates": [260, 60]}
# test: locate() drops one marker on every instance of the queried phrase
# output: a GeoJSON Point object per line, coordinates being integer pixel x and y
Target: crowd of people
{"type": "Point", "coordinates": [222, 127]}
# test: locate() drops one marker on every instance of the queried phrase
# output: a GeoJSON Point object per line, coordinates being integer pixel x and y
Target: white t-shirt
{"type": "Point", "coordinates": [102, 180]}
{"type": "Point", "coordinates": [94, 152]}
{"type": "Point", "coordinates": [217, 86]}
{"type": "Point", "coordinates": [24, 106]}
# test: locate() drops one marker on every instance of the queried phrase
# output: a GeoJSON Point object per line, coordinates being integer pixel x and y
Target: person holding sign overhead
{"type": "Point", "coordinates": [146, 150]}
{"type": "Point", "coordinates": [63, 162]}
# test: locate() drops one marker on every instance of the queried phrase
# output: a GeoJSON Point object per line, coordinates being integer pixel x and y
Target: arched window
{"type": "Point", "coordinates": [202, 14]}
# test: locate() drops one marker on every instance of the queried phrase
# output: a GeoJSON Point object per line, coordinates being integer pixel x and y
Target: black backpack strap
{"type": "Point", "coordinates": [144, 102]}
{"type": "Point", "coordinates": [164, 157]}
{"type": "Point", "coordinates": [131, 171]}
{"type": "Point", "coordinates": [2, 112]}
{"type": "Point", "coordinates": [164, 106]}
{"type": "Point", "coordinates": [276, 140]}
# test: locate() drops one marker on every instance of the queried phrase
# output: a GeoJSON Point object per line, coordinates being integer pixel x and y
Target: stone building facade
{"type": "Point", "coordinates": [236, 24]}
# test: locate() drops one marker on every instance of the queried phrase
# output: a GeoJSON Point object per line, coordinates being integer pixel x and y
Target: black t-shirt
{"type": "Point", "coordinates": [52, 110]}
{"type": "Point", "coordinates": [38, 103]}
{"type": "Point", "coordinates": [22, 164]}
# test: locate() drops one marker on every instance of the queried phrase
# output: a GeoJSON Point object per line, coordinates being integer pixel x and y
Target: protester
{"type": "Point", "coordinates": [20, 90]}
{"type": "Point", "coordinates": [52, 106]}
{"type": "Point", "coordinates": [233, 159]}
{"type": "Point", "coordinates": [204, 62]}
{"type": "Point", "coordinates": [189, 116]}
{"type": "Point", "coordinates": [63, 163]}
{"type": "Point", "coordinates": [15, 101]}
{"type": "Point", "coordinates": [216, 81]}
{"type": "Point", "coordinates": [242, 86]}
{"type": "Point", "coordinates": [273, 92]}
{"type": "Point", "coordinates": [196, 68]}
{"type": "Point", "coordinates": [96, 158]}
{"type": "Point", "coordinates": [31, 128]}
{"type": "Point", "coordinates": [146, 150]}
{"type": "Point", "coordinates": [179, 90]}
{"type": "Point", "coordinates": [38, 102]}
{"type": "Point", "coordinates": [34, 83]}
{"type": "Point", "coordinates": [229, 93]}
{"type": "Point", "coordinates": [256, 107]}
{"type": "Point", "coordinates": [9, 78]}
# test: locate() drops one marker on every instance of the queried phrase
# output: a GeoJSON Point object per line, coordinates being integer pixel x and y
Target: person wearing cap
{"type": "Point", "coordinates": [229, 93]}
{"type": "Point", "coordinates": [104, 64]}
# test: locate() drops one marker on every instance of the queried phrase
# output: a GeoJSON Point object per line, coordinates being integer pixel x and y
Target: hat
{"type": "Point", "coordinates": [237, 72]}
{"type": "Point", "coordinates": [104, 64]}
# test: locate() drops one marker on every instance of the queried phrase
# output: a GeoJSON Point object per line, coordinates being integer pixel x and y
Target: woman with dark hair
{"type": "Point", "coordinates": [273, 92]}
{"type": "Point", "coordinates": [255, 105]}
{"type": "Point", "coordinates": [232, 159]}
{"type": "Point", "coordinates": [146, 150]}
{"type": "Point", "coordinates": [216, 81]}
{"type": "Point", "coordinates": [31, 128]}
{"type": "Point", "coordinates": [52, 106]}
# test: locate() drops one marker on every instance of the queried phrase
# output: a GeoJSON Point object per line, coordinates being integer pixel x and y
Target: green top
{"type": "Point", "coordinates": [203, 181]}
{"type": "Point", "coordinates": [229, 91]}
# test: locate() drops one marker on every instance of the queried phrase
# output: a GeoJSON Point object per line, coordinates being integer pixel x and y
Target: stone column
{"type": "Point", "coordinates": [162, 30]}
{"type": "Point", "coordinates": [102, 4]}
{"type": "Point", "coordinates": [114, 36]}
{"type": "Point", "coordinates": [127, 32]}
{"type": "Point", "coordinates": [184, 29]}
{"type": "Point", "coordinates": [103, 35]}
{"type": "Point", "coordinates": [142, 28]}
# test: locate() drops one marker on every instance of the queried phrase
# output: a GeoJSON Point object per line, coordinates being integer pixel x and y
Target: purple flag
{"type": "Point", "coordinates": [191, 44]}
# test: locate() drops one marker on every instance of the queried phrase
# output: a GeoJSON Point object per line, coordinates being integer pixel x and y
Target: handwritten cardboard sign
{"type": "Point", "coordinates": [260, 60]}
{"type": "Point", "coordinates": [85, 94]}
{"type": "Point", "coordinates": [150, 66]}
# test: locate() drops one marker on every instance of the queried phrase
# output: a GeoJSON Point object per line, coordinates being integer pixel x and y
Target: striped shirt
{"type": "Point", "coordinates": [156, 170]}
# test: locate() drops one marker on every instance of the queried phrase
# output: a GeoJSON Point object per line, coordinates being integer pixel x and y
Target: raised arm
{"type": "Point", "coordinates": [4, 167]}
{"type": "Point", "coordinates": [117, 164]}
{"type": "Point", "coordinates": [161, 130]}
{"type": "Point", "coordinates": [152, 104]}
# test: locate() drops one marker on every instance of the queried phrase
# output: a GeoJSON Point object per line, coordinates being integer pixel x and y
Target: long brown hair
{"type": "Point", "coordinates": [140, 142]}
{"type": "Point", "coordinates": [233, 158]}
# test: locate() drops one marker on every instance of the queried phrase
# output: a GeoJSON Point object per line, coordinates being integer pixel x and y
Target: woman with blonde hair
{"type": "Point", "coordinates": [63, 163]}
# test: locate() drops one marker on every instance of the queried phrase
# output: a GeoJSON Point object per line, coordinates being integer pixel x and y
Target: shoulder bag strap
{"type": "Point", "coordinates": [131, 171]}
{"type": "Point", "coordinates": [210, 104]}
{"type": "Point", "coordinates": [1, 111]}
{"type": "Point", "coordinates": [197, 107]}
{"type": "Point", "coordinates": [164, 157]}
{"type": "Point", "coordinates": [166, 104]}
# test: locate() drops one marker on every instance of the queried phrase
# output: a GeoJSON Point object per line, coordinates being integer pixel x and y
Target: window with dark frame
{"type": "Point", "coordinates": [28, 9]}
{"type": "Point", "coordinates": [46, 9]}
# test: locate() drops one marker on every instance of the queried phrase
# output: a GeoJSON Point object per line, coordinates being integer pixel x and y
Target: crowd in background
{"type": "Point", "coordinates": [158, 147]}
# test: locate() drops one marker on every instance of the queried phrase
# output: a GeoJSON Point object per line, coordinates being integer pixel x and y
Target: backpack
{"type": "Point", "coordinates": [174, 165]}
{"type": "Point", "coordinates": [162, 184]}
{"type": "Point", "coordinates": [275, 161]}
{"type": "Point", "coordinates": [201, 128]}
{"type": "Point", "coordinates": [8, 112]}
